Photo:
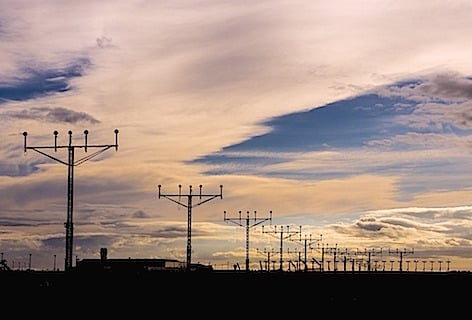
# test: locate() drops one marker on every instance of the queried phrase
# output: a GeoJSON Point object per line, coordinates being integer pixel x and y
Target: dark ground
{"type": "Point", "coordinates": [240, 293]}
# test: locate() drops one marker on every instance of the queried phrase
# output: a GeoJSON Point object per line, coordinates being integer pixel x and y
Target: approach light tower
{"type": "Point", "coordinates": [71, 163]}
{"type": "Point", "coordinates": [284, 234]}
{"type": "Point", "coordinates": [256, 221]}
{"type": "Point", "coordinates": [203, 199]}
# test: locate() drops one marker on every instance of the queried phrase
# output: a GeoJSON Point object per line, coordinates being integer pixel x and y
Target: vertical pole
{"type": "Point", "coordinates": [247, 241]}
{"type": "Point", "coordinates": [268, 260]}
{"type": "Point", "coordinates": [281, 250]}
{"type": "Point", "coordinates": [189, 230]}
{"type": "Point", "coordinates": [322, 259]}
{"type": "Point", "coordinates": [69, 225]}
{"type": "Point", "coordinates": [304, 255]}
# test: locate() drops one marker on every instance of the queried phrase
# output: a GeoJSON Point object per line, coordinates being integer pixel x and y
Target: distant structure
{"type": "Point", "coordinates": [135, 265]}
{"type": "Point", "coordinates": [71, 163]}
{"type": "Point", "coordinates": [203, 199]}
{"type": "Point", "coordinates": [255, 221]}
{"type": "Point", "coordinates": [284, 234]}
{"type": "Point", "coordinates": [3, 264]}
{"type": "Point", "coordinates": [129, 265]}
{"type": "Point", "coordinates": [308, 242]}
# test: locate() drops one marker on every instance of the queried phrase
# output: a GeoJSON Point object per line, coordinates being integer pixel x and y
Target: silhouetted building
{"type": "Point", "coordinates": [129, 265]}
{"type": "Point", "coordinates": [136, 265]}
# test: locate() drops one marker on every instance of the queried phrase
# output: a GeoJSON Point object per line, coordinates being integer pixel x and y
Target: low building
{"type": "Point", "coordinates": [129, 265]}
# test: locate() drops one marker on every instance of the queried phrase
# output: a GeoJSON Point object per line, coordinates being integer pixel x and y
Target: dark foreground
{"type": "Point", "coordinates": [275, 293]}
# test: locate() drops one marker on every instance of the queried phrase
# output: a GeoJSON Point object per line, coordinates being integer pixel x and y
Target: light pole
{"type": "Point", "coordinates": [71, 163]}
{"type": "Point", "coordinates": [203, 199]}
{"type": "Point", "coordinates": [256, 221]}
{"type": "Point", "coordinates": [288, 233]}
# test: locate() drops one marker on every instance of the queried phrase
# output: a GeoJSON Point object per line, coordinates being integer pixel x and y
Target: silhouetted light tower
{"type": "Point", "coordinates": [267, 253]}
{"type": "Point", "coordinates": [369, 253]}
{"type": "Point", "coordinates": [71, 163]}
{"type": "Point", "coordinates": [401, 254]}
{"type": "Point", "coordinates": [288, 233]}
{"type": "Point", "coordinates": [307, 242]}
{"type": "Point", "coordinates": [326, 249]}
{"type": "Point", "coordinates": [256, 221]}
{"type": "Point", "coordinates": [203, 199]}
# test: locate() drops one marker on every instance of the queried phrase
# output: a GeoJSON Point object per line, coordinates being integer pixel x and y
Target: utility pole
{"type": "Point", "coordinates": [71, 163]}
{"type": "Point", "coordinates": [288, 233]}
{"type": "Point", "coordinates": [203, 199]}
{"type": "Point", "coordinates": [257, 221]}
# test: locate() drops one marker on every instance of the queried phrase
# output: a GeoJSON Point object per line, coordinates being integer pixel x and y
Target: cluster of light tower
{"type": "Point", "coordinates": [344, 257]}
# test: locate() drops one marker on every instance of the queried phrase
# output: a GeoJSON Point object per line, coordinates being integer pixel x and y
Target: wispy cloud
{"type": "Point", "coordinates": [51, 114]}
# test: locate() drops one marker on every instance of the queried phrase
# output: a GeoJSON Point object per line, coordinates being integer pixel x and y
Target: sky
{"type": "Point", "coordinates": [337, 127]}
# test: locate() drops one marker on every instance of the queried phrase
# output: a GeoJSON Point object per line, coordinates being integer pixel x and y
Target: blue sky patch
{"type": "Point", "coordinates": [343, 124]}
{"type": "Point", "coordinates": [38, 83]}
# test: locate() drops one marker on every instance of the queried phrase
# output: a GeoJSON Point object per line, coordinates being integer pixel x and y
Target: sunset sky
{"type": "Point", "coordinates": [350, 121]}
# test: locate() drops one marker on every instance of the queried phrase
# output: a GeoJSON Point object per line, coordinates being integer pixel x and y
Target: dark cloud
{"type": "Point", "coordinates": [15, 170]}
{"type": "Point", "coordinates": [90, 245]}
{"type": "Point", "coordinates": [40, 82]}
{"type": "Point", "coordinates": [370, 225]}
{"type": "Point", "coordinates": [56, 115]}
{"type": "Point", "coordinates": [140, 214]}
{"type": "Point", "coordinates": [170, 232]}
{"type": "Point", "coordinates": [448, 86]}
{"type": "Point", "coordinates": [34, 221]}
{"type": "Point", "coordinates": [103, 42]}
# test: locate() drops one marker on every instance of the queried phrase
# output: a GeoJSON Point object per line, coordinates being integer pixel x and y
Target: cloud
{"type": "Point", "coordinates": [140, 214]}
{"type": "Point", "coordinates": [36, 82]}
{"type": "Point", "coordinates": [51, 114]}
{"type": "Point", "coordinates": [9, 169]}
{"type": "Point", "coordinates": [104, 42]}
{"type": "Point", "coordinates": [448, 86]}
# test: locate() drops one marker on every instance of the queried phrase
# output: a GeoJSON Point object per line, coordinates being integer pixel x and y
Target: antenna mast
{"type": "Point", "coordinates": [69, 225]}
{"type": "Point", "coordinates": [203, 199]}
